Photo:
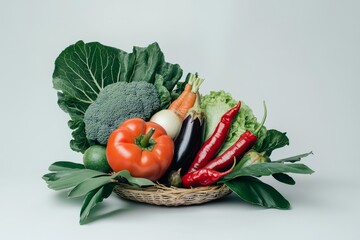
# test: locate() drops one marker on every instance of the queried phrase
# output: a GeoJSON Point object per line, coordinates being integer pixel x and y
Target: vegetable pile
{"type": "Point", "coordinates": [136, 123]}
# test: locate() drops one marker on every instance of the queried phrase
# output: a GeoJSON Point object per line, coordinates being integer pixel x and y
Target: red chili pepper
{"type": "Point", "coordinates": [245, 142]}
{"type": "Point", "coordinates": [215, 141]}
{"type": "Point", "coordinates": [204, 177]}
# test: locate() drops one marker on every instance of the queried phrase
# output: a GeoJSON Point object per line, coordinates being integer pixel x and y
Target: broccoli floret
{"type": "Point", "coordinates": [116, 103]}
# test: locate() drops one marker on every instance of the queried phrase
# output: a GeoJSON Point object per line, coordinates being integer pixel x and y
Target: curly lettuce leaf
{"type": "Point", "coordinates": [215, 104]}
{"type": "Point", "coordinates": [82, 70]}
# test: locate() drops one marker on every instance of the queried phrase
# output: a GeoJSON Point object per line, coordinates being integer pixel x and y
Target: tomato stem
{"type": "Point", "coordinates": [146, 139]}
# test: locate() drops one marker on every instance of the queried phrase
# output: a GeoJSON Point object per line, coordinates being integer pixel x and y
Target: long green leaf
{"type": "Point", "coordinates": [64, 165]}
{"type": "Point", "coordinates": [88, 185]}
{"type": "Point", "coordinates": [93, 198]}
{"type": "Point", "coordinates": [69, 178]}
{"type": "Point", "coordinates": [133, 180]}
{"type": "Point", "coordinates": [252, 190]}
{"type": "Point", "coordinates": [293, 158]}
{"type": "Point", "coordinates": [266, 169]}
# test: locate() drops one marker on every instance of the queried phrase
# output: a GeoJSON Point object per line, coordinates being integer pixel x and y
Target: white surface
{"type": "Point", "coordinates": [302, 57]}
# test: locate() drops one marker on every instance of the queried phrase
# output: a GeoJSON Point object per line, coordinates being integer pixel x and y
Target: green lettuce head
{"type": "Point", "coordinates": [215, 104]}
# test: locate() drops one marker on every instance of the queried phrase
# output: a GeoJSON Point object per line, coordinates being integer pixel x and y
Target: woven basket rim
{"type": "Point", "coordinates": [158, 187]}
{"type": "Point", "coordinates": [160, 194]}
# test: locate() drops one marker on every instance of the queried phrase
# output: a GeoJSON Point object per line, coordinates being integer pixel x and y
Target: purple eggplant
{"type": "Point", "coordinates": [187, 143]}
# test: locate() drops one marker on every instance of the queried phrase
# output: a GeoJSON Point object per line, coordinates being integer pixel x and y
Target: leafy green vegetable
{"type": "Point", "coordinates": [82, 70]}
{"type": "Point", "coordinates": [215, 104]}
{"type": "Point", "coordinates": [254, 191]}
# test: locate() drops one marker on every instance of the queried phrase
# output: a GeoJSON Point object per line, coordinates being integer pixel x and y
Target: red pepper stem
{"type": "Point", "coordinates": [222, 174]}
{"type": "Point", "coordinates": [262, 121]}
{"type": "Point", "coordinates": [145, 140]}
{"type": "Point", "coordinates": [232, 167]}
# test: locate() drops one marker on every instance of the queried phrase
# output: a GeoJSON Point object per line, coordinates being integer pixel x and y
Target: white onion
{"type": "Point", "coordinates": [169, 121]}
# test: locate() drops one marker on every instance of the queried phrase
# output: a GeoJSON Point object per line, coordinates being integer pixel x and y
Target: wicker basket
{"type": "Point", "coordinates": [171, 196]}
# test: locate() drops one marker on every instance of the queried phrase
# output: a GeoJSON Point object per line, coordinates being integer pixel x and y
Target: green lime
{"type": "Point", "coordinates": [95, 158]}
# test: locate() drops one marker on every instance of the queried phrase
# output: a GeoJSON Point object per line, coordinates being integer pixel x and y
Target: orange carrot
{"type": "Point", "coordinates": [189, 99]}
{"type": "Point", "coordinates": [177, 103]}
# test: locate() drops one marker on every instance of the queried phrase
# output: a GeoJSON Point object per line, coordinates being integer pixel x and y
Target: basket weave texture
{"type": "Point", "coordinates": [171, 196]}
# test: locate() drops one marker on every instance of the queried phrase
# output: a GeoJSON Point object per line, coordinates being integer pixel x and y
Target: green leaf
{"type": "Point", "coordinates": [54, 176]}
{"type": "Point", "coordinates": [92, 199]}
{"type": "Point", "coordinates": [92, 183]}
{"type": "Point", "coordinates": [284, 178]}
{"type": "Point", "coordinates": [133, 180]}
{"type": "Point", "coordinates": [64, 165]}
{"type": "Point", "coordinates": [164, 94]}
{"type": "Point", "coordinates": [69, 178]}
{"type": "Point", "coordinates": [293, 158]}
{"type": "Point", "coordinates": [88, 185]}
{"type": "Point", "coordinates": [266, 169]}
{"type": "Point", "coordinates": [79, 143]}
{"type": "Point", "coordinates": [252, 190]}
{"type": "Point", "coordinates": [273, 139]}
{"type": "Point", "coordinates": [48, 177]}
{"type": "Point", "coordinates": [82, 70]}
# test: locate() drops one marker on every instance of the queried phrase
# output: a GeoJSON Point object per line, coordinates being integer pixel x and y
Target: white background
{"type": "Point", "coordinates": [302, 57]}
